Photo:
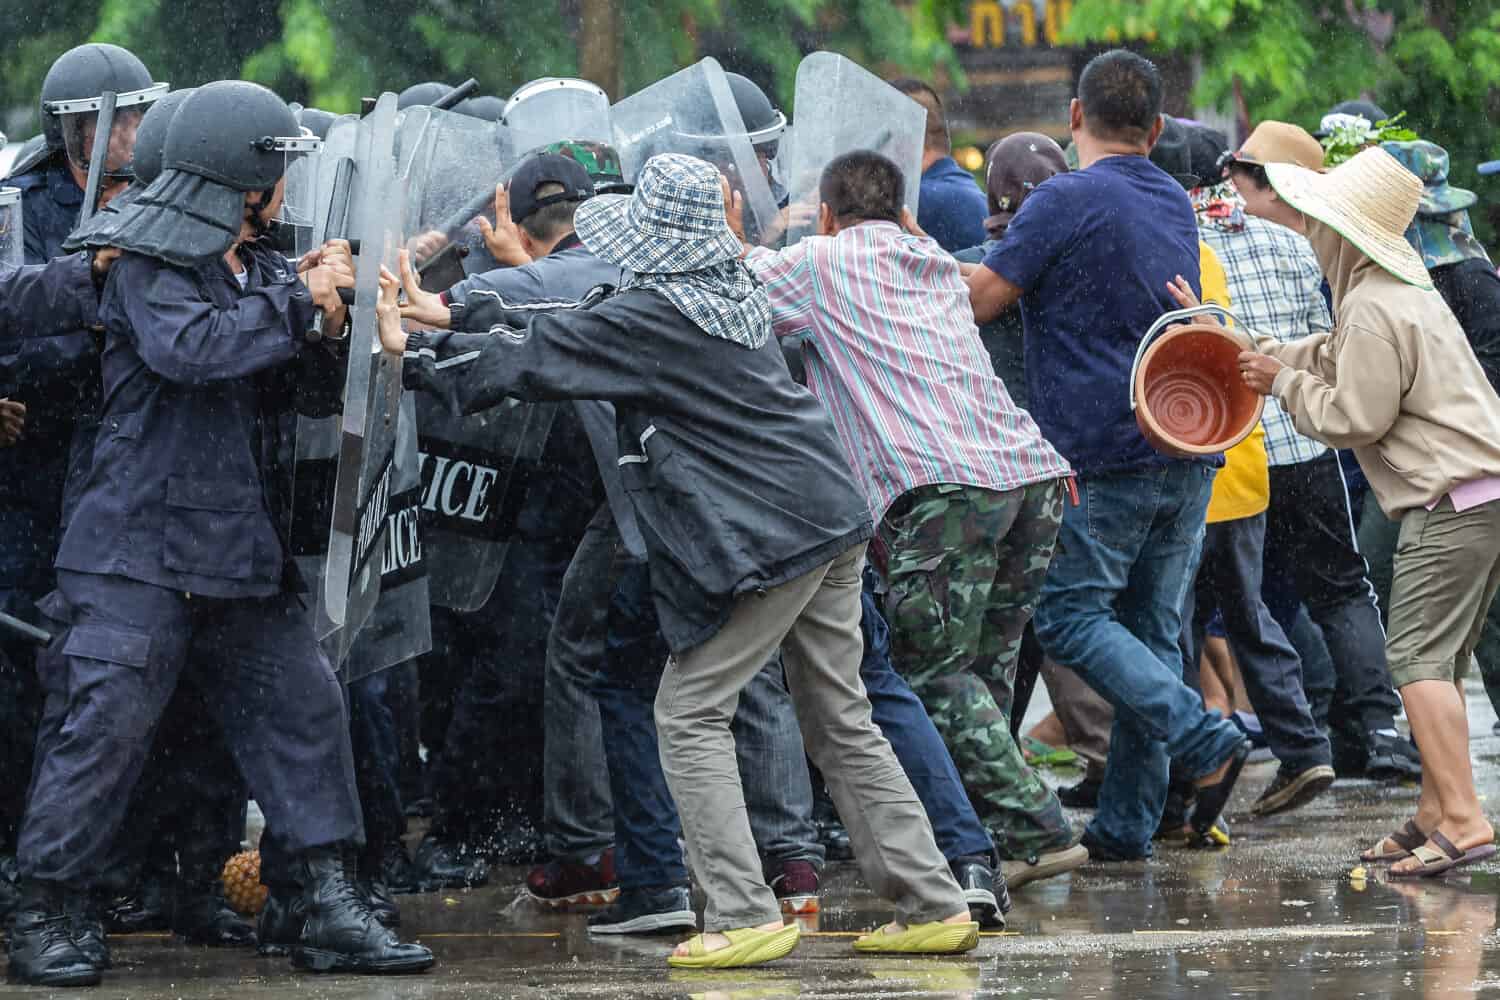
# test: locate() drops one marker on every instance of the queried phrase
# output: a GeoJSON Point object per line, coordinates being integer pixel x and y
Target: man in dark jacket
{"type": "Point", "coordinates": [754, 532]}
{"type": "Point", "coordinates": [951, 208]}
{"type": "Point", "coordinates": [604, 653]}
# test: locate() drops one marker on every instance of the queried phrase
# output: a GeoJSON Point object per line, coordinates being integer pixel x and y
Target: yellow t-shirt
{"type": "Point", "coordinates": [1243, 487]}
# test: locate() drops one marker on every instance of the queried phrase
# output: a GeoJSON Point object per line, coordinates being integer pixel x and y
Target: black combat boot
{"type": "Point", "coordinates": [144, 909]}
{"type": "Point", "coordinates": [88, 928]}
{"type": "Point", "coordinates": [280, 925]}
{"type": "Point", "coordinates": [202, 915]}
{"type": "Point", "coordinates": [41, 947]}
{"type": "Point", "coordinates": [342, 933]}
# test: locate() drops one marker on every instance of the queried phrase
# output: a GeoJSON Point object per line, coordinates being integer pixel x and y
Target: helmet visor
{"type": "Point", "coordinates": [79, 124]}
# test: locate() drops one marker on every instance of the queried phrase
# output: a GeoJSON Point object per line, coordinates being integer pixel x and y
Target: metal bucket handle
{"type": "Point", "coordinates": [1165, 320]}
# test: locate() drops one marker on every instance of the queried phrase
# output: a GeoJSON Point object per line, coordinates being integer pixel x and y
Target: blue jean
{"type": "Point", "coordinates": [624, 679]}
{"type": "Point", "coordinates": [901, 717]}
{"type": "Point", "coordinates": [1112, 610]}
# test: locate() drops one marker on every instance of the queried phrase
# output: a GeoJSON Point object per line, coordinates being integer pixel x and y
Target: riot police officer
{"type": "Point", "coordinates": [173, 560]}
{"type": "Point", "coordinates": [58, 375]}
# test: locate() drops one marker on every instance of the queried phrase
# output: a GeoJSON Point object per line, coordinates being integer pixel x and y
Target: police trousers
{"type": "Point", "coordinates": [108, 676]}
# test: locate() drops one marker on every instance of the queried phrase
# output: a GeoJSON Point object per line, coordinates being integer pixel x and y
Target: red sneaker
{"type": "Point", "coordinates": [796, 888]}
{"type": "Point", "coordinates": [560, 884]}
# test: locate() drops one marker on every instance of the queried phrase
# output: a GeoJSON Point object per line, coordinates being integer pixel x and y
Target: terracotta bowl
{"type": "Point", "coordinates": [1190, 398]}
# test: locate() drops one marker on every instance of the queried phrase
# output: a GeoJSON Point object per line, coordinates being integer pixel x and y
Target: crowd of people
{"type": "Point", "coordinates": [853, 494]}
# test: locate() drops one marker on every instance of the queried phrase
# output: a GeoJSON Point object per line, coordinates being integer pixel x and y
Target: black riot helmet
{"type": "Point", "coordinates": [151, 137]}
{"type": "Point", "coordinates": [485, 107]}
{"type": "Point", "coordinates": [762, 121]}
{"type": "Point", "coordinates": [234, 133]}
{"type": "Point", "coordinates": [317, 121]}
{"type": "Point", "coordinates": [72, 93]}
{"type": "Point", "coordinates": [420, 95]}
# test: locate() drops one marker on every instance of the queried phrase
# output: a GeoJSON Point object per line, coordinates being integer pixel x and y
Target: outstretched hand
{"type": "Point", "coordinates": [503, 239]}
{"type": "Point", "coordinates": [421, 306]}
{"type": "Point", "coordinates": [388, 310]}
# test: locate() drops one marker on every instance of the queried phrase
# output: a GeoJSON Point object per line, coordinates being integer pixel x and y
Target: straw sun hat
{"type": "Point", "coordinates": [1369, 200]}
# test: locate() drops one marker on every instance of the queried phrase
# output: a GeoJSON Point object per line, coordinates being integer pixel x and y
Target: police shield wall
{"type": "Point", "coordinates": [841, 107]}
{"type": "Point", "coordinates": [693, 112]}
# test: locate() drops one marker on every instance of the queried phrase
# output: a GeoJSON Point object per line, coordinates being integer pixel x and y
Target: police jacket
{"type": "Point", "coordinates": [557, 498]}
{"type": "Point", "coordinates": [733, 470]}
{"type": "Point", "coordinates": [57, 377]}
{"type": "Point", "coordinates": [43, 300]}
{"type": "Point", "coordinates": [196, 371]}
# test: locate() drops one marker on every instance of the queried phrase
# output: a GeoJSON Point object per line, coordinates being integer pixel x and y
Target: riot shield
{"type": "Point", "coordinates": [12, 233]}
{"type": "Point", "coordinates": [693, 112]}
{"type": "Point", "coordinates": [841, 107]}
{"type": "Point", "coordinates": [400, 627]}
{"type": "Point", "coordinates": [361, 198]}
{"type": "Point", "coordinates": [453, 162]}
{"type": "Point", "coordinates": [554, 109]}
{"type": "Point", "coordinates": [468, 463]}
{"type": "Point", "coordinates": [473, 472]}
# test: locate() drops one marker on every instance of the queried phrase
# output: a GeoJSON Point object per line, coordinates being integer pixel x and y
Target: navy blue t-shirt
{"type": "Point", "coordinates": [950, 207]}
{"type": "Point", "coordinates": [1093, 251]}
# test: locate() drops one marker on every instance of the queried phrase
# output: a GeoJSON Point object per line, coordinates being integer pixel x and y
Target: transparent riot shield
{"type": "Point", "coordinates": [474, 470]}
{"type": "Point", "coordinates": [453, 162]}
{"type": "Point", "coordinates": [841, 107]}
{"type": "Point", "coordinates": [470, 490]}
{"type": "Point", "coordinates": [400, 627]}
{"type": "Point", "coordinates": [554, 109]}
{"type": "Point", "coordinates": [693, 112]}
{"type": "Point", "coordinates": [363, 202]}
{"type": "Point", "coordinates": [12, 234]}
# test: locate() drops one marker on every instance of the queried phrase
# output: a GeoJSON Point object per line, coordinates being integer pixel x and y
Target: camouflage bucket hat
{"type": "Point", "coordinates": [1441, 231]}
{"type": "Point", "coordinates": [601, 162]}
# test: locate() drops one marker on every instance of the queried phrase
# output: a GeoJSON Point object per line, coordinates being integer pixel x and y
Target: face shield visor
{"type": "Point", "coordinates": [11, 232]}
{"type": "Point", "coordinates": [117, 115]}
{"type": "Point", "coordinates": [296, 217]}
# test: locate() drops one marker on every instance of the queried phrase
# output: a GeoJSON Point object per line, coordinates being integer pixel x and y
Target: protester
{"type": "Point", "coordinates": [1084, 258]}
{"type": "Point", "coordinates": [1396, 381]}
{"type": "Point", "coordinates": [686, 354]}
{"type": "Point", "coordinates": [1312, 556]}
{"type": "Point", "coordinates": [950, 206]}
{"type": "Point", "coordinates": [1246, 255]}
{"type": "Point", "coordinates": [966, 492]}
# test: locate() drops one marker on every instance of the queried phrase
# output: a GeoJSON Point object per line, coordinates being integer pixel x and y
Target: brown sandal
{"type": "Point", "coordinates": [1408, 839]}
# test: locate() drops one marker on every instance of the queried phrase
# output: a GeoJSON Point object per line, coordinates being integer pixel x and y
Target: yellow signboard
{"type": "Point", "coordinates": [989, 22]}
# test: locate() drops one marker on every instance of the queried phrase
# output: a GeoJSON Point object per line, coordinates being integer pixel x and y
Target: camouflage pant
{"type": "Point", "coordinates": [965, 568]}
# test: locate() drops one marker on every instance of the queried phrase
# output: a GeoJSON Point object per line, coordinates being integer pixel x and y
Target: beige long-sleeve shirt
{"type": "Point", "coordinates": [1396, 381]}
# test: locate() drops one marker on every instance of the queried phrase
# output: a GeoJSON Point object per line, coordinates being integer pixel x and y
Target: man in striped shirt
{"type": "Point", "coordinates": [966, 491]}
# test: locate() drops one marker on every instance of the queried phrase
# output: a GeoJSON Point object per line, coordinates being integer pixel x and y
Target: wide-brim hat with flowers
{"type": "Point", "coordinates": [674, 222]}
{"type": "Point", "coordinates": [1369, 200]}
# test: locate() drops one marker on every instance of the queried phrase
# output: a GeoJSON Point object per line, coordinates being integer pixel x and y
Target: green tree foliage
{"type": "Point", "coordinates": [1436, 60]}
{"type": "Point", "coordinates": [330, 53]}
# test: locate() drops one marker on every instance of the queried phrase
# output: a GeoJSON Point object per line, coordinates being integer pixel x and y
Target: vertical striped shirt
{"type": "Point", "coordinates": [893, 353]}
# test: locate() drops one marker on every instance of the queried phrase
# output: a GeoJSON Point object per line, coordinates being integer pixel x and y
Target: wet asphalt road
{"type": "Point", "coordinates": [1276, 914]}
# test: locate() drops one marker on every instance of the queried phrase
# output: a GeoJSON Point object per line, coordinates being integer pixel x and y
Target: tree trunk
{"type": "Point", "coordinates": [599, 45]}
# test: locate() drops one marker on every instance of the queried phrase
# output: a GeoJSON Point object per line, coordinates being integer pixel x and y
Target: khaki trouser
{"type": "Point", "coordinates": [1447, 571]}
{"type": "Point", "coordinates": [815, 621]}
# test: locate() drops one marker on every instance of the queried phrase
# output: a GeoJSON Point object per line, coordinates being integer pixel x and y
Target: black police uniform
{"type": "Point", "coordinates": [172, 560]}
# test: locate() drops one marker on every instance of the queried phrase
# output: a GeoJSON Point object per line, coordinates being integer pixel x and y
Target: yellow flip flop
{"type": "Point", "coordinates": [747, 946]}
{"type": "Point", "coordinates": [922, 939]}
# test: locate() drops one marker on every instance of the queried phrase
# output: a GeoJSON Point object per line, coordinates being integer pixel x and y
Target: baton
{"type": "Point", "coordinates": [459, 93]}
{"type": "Point", "coordinates": [104, 125]}
{"type": "Point", "coordinates": [25, 630]}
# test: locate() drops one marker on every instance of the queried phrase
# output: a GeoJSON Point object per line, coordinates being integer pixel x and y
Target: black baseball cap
{"type": "Point", "coordinates": [1344, 110]}
{"type": "Point", "coordinates": [541, 169]}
